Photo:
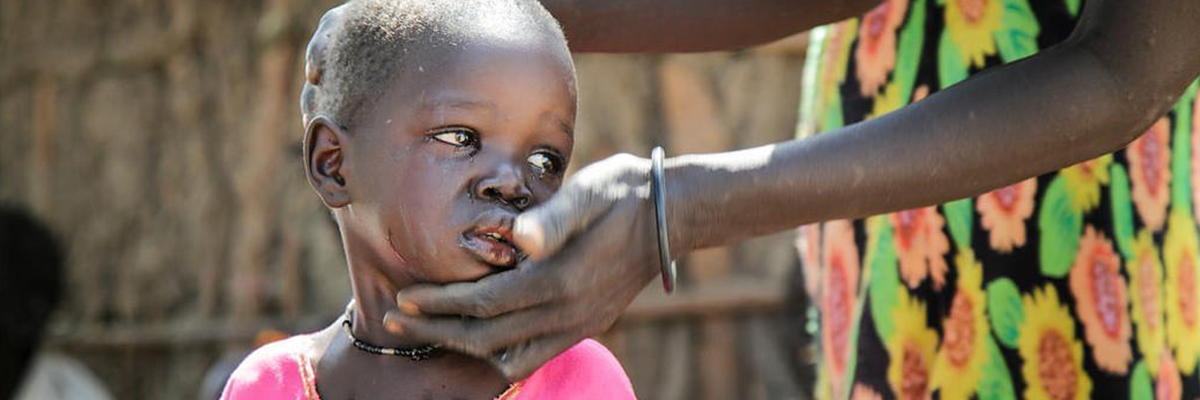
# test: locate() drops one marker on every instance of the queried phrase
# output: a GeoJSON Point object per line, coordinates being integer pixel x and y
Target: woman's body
{"type": "Point", "coordinates": [1058, 286]}
{"type": "Point", "coordinates": [1119, 71]}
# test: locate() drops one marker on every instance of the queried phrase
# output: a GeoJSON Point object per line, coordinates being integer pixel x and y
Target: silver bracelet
{"type": "Point", "coordinates": [658, 190]}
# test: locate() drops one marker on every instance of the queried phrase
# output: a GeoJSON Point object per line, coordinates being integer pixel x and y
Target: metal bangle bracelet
{"type": "Point", "coordinates": [658, 191]}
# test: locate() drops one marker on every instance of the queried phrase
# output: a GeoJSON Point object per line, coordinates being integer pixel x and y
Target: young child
{"type": "Point", "coordinates": [434, 123]}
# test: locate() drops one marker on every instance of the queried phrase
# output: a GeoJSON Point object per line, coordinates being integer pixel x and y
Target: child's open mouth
{"type": "Point", "coordinates": [492, 244]}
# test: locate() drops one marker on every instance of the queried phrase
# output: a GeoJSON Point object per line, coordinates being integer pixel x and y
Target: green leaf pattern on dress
{"type": "Point", "coordinates": [1061, 226]}
{"type": "Point", "coordinates": [1017, 37]}
{"type": "Point", "coordinates": [1073, 6]}
{"type": "Point", "coordinates": [996, 383]}
{"type": "Point", "coordinates": [951, 67]}
{"type": "Point", "coordinates": [908, 55]}
{"type": "Point", "coordinates": [1005, 311]}
{"type": "Point", "coordinates": [884, 281]}
{"type": "Point", "coordinates": [1141, 385]}
{"type": "Point", "coordinates": [1122, 210]}
{"type": "Point", "coordinates": [959, 218]}
{"type": "Point", "coordinates": [1181, 157]}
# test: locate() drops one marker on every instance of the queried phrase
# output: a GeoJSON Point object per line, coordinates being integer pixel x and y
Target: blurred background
{"type": "Point", "coordinates": [160, 141]}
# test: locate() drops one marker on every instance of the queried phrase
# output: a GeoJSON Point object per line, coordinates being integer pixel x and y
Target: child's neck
{"type": "Point", "coordinates": [344, 371]}
{"type": "Point", "coordinates": [347, 372]}
{"type": "Point", "coordinates": [374, 296]}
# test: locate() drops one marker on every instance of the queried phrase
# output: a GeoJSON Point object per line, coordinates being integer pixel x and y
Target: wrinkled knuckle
{"type": "Point", "coordinates": [465, 338]}
{"type": "Point", "coordinates": [478, 307]}
{"type": "Point", "coordinates": [476, 343]}
{"type": "Point", "coordinates": [589, 196]}
{"type": "Point", "coordinates": [557, 285]}
{"type": "Point", "coordinates": [467, 346]}
{"type": "Point", "coordinates": [482, 305]}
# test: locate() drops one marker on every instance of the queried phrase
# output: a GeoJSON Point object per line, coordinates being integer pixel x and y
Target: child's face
{"type": "Point", "coordinates": [452, 152]}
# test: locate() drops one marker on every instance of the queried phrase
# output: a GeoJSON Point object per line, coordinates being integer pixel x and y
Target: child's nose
{"type": "Point", "coordinates": [505, 186]}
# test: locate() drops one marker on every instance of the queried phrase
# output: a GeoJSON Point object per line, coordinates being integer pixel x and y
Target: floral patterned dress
{"type": "Point", "coordinates": [1077, 284]}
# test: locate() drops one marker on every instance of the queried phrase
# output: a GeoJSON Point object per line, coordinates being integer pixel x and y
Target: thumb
{"type": "Point", "coordinates": [543, 230]}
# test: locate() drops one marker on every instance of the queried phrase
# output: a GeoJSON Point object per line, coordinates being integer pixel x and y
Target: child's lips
{"type": "Point", "coordinates": [492, 245]}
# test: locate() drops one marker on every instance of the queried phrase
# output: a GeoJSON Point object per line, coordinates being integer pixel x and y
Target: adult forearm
{"type": "Point", "coordinates": [691, 25]}
{"type": "Point", "coordinates": [1062, 106]}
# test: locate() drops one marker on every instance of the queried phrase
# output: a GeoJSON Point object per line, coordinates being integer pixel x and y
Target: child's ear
{"type": "Point", "coordinates": [324, 161]}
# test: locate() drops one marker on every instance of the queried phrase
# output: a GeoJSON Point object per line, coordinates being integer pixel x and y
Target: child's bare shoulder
{"type": "Point", "coordinates": [586, 371]}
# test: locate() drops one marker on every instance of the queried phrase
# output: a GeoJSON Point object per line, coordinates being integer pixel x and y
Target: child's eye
{"type": "Point", "coordinates": [545, 163]}
{"type": "Point", "coordinates": [457, 137]}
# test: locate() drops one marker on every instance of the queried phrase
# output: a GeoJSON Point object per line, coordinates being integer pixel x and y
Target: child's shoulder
{"type": "Point", "coordinates": [586, 371]}
{"type": "Point", "coordinates": [279, 370]}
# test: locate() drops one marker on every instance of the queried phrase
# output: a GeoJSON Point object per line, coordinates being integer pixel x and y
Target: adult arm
{"type": "Point", "coordinates": [1123, 67]}
{"type": "Point", "coordinates": [637, 26]}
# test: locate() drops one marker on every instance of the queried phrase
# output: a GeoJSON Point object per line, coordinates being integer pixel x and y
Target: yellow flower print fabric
{"type": "Point", "coordinates": [1081, 283]}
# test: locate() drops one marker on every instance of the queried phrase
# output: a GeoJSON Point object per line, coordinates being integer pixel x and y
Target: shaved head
{"type": "Point", "coordinates": [377, 41]}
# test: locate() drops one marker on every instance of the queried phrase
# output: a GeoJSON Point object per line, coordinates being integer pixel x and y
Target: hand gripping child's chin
{"type": "Point", "coordinates": [431, 125]}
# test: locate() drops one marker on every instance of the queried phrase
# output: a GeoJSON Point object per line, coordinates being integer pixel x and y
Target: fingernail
{"type": "Point", "coordinates": [529, 233]}
{"type": "Point", "coordinates": [408, 308]}
{"type": "Point", "coordinates": [391, 324]}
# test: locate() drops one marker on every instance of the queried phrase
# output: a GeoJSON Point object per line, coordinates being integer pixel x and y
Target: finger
{"type": "Point", "coordinates": [477, 337]}
{"type": "Point", "coordinates": [493, 295]}
{"type": "Point", "coordinates": [543, 230]}
{"type": "Point", "coordinates": [391, 322]}
{"type": "Point", "coordinates": [520, 361]}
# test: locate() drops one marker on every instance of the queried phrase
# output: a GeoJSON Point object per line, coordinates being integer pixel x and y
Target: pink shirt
{"type": "Point", "coordinates": [282, 371]}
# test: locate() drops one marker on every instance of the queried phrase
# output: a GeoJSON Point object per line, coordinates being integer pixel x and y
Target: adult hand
{"type": "Point", "coordinates": [592, 249]}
